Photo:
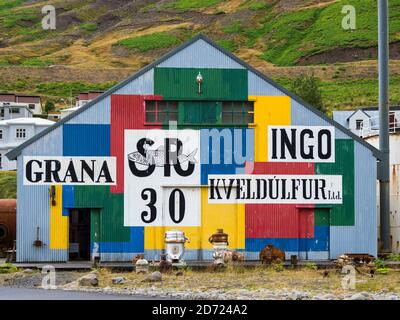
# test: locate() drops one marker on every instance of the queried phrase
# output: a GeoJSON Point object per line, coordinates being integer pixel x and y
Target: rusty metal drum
{"type": "Point", "coordinates": [8, 208]}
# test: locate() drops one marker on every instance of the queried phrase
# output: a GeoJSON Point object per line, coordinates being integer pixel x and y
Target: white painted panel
{"type": "Point", "coordinates": [149, 166]}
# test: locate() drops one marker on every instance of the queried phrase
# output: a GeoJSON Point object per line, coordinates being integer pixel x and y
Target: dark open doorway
{"type": "Point", "coordinates": [79, 234]}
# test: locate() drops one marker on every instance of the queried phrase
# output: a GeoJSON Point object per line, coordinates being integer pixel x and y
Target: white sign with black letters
{"type": "Point", "coordinates": [47, 170]}
{"type": "Point", "coordinates": [278, 189]}
{"type": "Point", "coordinates": [301, 144]}
{"type": "Point", "coordinates": [158, 165]}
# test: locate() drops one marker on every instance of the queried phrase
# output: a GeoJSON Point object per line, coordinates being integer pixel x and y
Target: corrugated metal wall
{"type": "Point", "coordinates": [99, 130]}
{"type": "Point", "coordinates": [200, 55]}
{"type": "Point", "coordinates": [362, 237]}
{"type": "Point", "coordinates": [33, 208]}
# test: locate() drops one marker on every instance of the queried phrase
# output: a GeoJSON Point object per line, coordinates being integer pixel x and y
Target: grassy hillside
{"type": "Point", "coordinates": [8, 185]}
{"type": "Point", "coordinates": [275, 36]}
{"type": "Point", "coordinates": [280, 32]}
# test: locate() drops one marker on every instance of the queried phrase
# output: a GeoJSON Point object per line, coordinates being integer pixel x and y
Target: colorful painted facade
{"type": "Point", "coordinates": [99, 129]}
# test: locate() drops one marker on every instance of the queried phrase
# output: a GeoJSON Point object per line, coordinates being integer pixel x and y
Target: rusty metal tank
{"type": "Point", "coordinates": [8, 209]}
{"type": "Point", "coordinates": [219, 237]}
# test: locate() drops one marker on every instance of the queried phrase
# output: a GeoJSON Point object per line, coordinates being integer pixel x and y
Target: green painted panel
{"type": "Point", "coordinates": [321, 217]}
{"type": "Point", "coordinates": [112, 211]}
{"type": "Point", "coordinates": [218, 84]}
{"type": "Point", "coordinates": [199, 112]}
{"type": "Point", "coordinates": [95, 225]}
{"type": "Point", "coordinates": [344, 214]}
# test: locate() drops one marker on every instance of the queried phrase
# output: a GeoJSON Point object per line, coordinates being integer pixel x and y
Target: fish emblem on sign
{"type": "Point", "coordinates": [157, 157]}
{"type": "Point", "coordinates": [170, 153]}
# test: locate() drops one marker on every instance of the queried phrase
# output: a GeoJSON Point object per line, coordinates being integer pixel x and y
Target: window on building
{"type": "Point", "coordinates": [200, 112]}
{"type": "Point", "coordinates": [359, 124]}
{"type": "Point", "coordinates": [31, 106]}
{"type": "Point", "coordinates": [1, 160]}
{"type": "Point", "coordinates": [1, 134]}
{"type": "Point", "coordinates": [237, 112]}
{"type": "Point", "coordinates": [21, 133]}
{"type": "Point", "coordinates": [14, 110]}
{"type": "Point", "coordinates": [161, 111]}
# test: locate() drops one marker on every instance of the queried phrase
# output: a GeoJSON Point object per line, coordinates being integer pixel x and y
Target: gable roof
{"type": "Point", "coordinates": [358, 111]}
{"type": "Point", "coordinates": [29, 121]}
{"type": "Point", "coordinates": [13, 154]}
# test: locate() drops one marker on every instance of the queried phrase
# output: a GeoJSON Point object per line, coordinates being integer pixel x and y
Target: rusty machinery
{"type": "Point", "coordinates": [8, 209]}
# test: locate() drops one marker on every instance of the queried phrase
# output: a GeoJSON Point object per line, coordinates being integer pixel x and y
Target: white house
{"type": "Point", "coordinates": [10, 110]}
{"type": "Point", "coordinates": [85, 97]}
{"type": "Point", "coordinates": [54, 115]}
{"type": "Point", "coordinates": [13, 132]}
{"type": "Point", "coordinates": [12, 100]}
{"type": "Point", "coordinates": [364, 122]}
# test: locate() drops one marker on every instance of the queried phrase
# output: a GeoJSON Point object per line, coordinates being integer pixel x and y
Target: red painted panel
{"type": "Point", "coordinates": [127, 112]}
{"type": "Point", "coordinates": [278, 220]}
{"type": "Point", "coordinates": [306, 223]}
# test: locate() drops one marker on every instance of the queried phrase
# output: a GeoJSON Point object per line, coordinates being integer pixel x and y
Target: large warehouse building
{"type": "Point", "coordinates": [197, 141]}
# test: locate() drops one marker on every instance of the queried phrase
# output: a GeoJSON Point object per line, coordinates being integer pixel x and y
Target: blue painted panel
{"type": "Point", "coordinates": [259, 87]}
{"type": "Point", "coordinates": [135, 245]}
{"type": "Point", "coordinates": [86, 140]}
{"type": "Point", "coordinates": [98, 113]}
{"type": "Point", "coordinates": [142, 85]}
{"type": "Point", "coordinates": [301, 116]}
{"type": "Point", "coordinates": [293, 244]}
{"type": "Point", "coordinates": [67, 199]}
{"type": "Point", "coordinates": [235, 148]}
{"type": "Point", "coordinates": [361, 238]}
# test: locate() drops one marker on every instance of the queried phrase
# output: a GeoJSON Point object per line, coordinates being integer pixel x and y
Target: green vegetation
{"type": "Point", "coordinates": [311, 266]}
{"type": "Point", "coordinates": [53, 90]}
{"type": "Point", "coordinates": [307, 87]}
{"type": "Point", "coordinates": [291, 35]}
{"type": "Point", "coordinates": [380, 263]}
{"type": "Point", "coordinates": [8, 268]}
{"type": "Point", "coordinates": [148, 42]}
{"type": "Point", "coordinates": [8, 185]}
{"type": "Point", "coordinates": [66, 89]}
{"type": "Point", "coordinates": [278, 267]}
{"type": "Point", "coordinates": [8, 4]}
{"type": "Point", "coordinates": [4, 63]}
{"type": "Point", "coordinates": [346, 94]}
{"type": "Point", "coordinates": [234, 27]}
{"type": "Point", "coordinates": [394, 257]}
{"type": "Point", "coordinates": [383, 270]}
{"type": "Point", "coordinates": [186, 5]}
{"type": "Point", "coordinates": [49, 106]}
{"type": "Point", "coordinates": [91, 27]}
{"type": "Point", "coordinates": [227, 44]}
{"type": "Point", "coordinates": [14, 19]}
{"type": "Point", "coordinates": [36, 62]}
{"type": "Point", "coordinates": [256, 5]}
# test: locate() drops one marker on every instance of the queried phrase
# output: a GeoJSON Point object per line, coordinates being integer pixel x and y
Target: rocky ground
{"type": "Point", "coordinates": [231, 283]}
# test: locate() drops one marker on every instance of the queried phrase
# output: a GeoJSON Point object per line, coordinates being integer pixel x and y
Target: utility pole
{"type": "Point", "coordinates": [384, 168]}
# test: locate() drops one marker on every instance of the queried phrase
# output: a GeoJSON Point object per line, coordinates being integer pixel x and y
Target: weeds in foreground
{"type": "Point", "coordinates": [8, 268]}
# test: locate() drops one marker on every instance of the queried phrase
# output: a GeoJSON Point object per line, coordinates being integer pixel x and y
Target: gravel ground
{"type": "Point", "coordinates": [244, 294]}
{"type": "Point", "coordinates": [214, 289]}
{"type": "Point", "coordinates": [34, 279]}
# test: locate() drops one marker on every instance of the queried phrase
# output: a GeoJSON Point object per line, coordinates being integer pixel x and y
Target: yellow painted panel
{"type": "Point", "coordinates": [230, 217]}
{"type": "Point", "coordinates": [268, 110]}
{"type": "Point", "coordinates": [58, 223]}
